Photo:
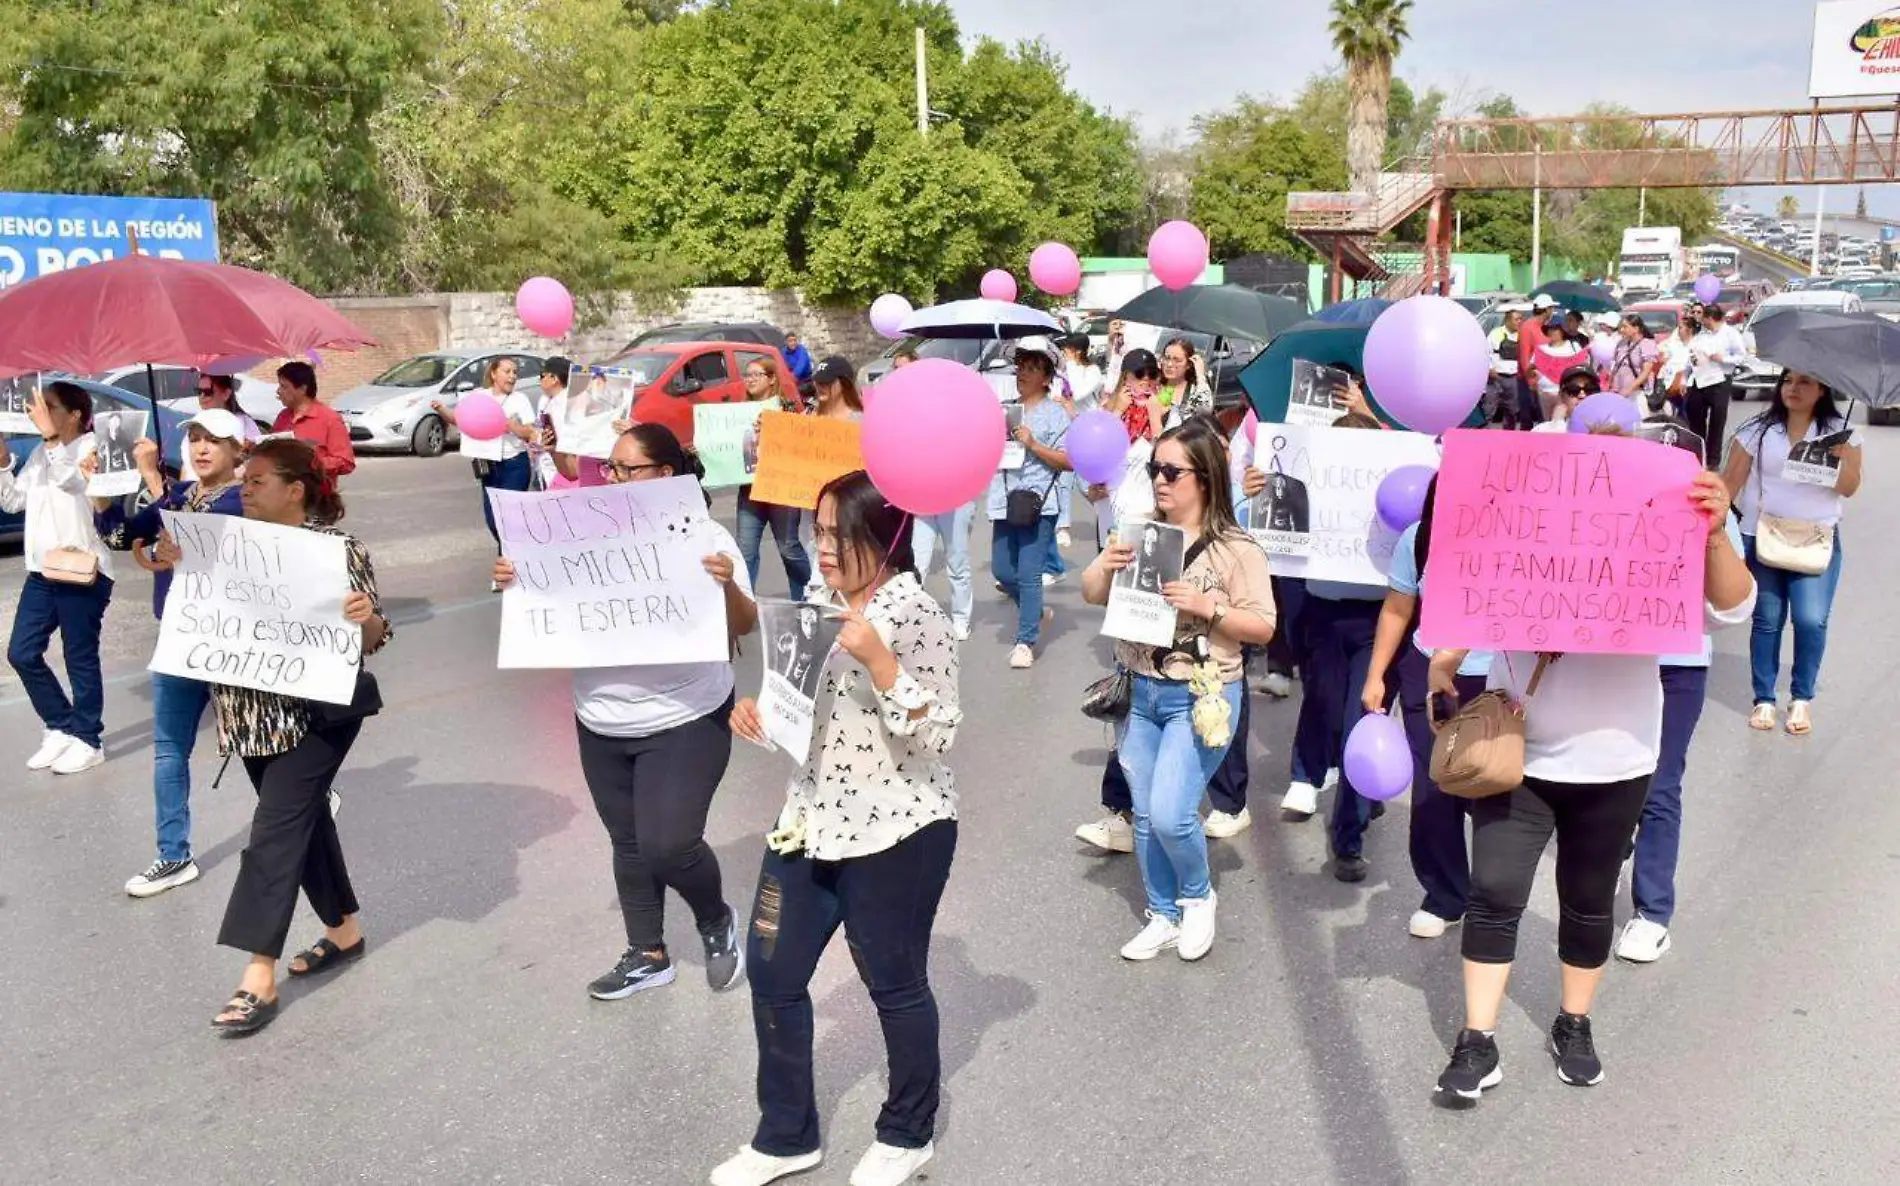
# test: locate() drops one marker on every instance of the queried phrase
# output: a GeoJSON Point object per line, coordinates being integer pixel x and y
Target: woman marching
{"type": "Point", "coordinates": [1186, 696]}
{"type": "Point", "coordinates": [292, 749]}
{"type": "Point", "coordinates": [1022, 502]}
{"type": "Point", "coordinates": [865, 842]}
{"type": "Point", "coordinates": [503, 463]}
{"type": "Point", "coordinates": [214, 447]}
{"type": "Point", "coordinates": [762, 383]}
{"type": "Point", "coordinates": [654, 743]}
{"type": "Point", "coordinates": [1792, 471]}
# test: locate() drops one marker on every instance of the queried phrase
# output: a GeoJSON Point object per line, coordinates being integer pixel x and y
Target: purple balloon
{"type": "Point", "coordinates": [1708, 288]}
{"type": "Point", "coordinates": [1605, 407]}
{"type": "Point", "coordinates": [1427, 363]}
{"type": "Point", "coordinates": [1378, 760]}
{"type": "Point", "coordinates": [1097, 445]}
{"type": "Point", "coordinates": [888, 314]}
{"type": "Point", "coordinates": [1401, 497]}
{"type": "Point", "coordinates": [1602, 352]}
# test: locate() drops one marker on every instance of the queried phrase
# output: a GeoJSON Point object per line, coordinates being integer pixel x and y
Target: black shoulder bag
{"type": "Point", "coordinates": [1023, 507]}
{"type": "Point", "coordinates": [1109, 698]}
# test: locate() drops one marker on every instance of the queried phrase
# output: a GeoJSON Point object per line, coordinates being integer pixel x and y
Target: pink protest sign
{"type": "Point", "coordinates": [1565, 542]}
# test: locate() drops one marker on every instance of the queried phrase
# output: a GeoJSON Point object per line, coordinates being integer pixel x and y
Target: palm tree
{"type": "Point", "coordinates": [1368, 34]}
{"type": "Point", "coordinates": [1789, 208]}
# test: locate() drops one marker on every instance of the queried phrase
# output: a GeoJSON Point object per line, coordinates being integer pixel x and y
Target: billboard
{"type": "Point", "coordinates": [1856, 49]}
{"type": "Point", "coordinates": [42, 233]}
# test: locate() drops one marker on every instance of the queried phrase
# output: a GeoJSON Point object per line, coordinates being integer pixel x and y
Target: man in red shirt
{"type": "Point", "coordinates": [308, 420]}
{"type": "Point", "coordinates": [1530, 336]}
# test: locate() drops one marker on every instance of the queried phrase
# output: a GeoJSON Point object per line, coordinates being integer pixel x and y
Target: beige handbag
{"type": "Point", "coordinates": [1479, 752]}
{"type": "Point", "coordinates": [1793, 545]}
{"type": "Point", "coordinates": [69, 566]}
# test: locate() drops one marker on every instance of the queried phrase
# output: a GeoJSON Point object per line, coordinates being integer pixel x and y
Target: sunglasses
{"type": "Point", "coordinates": [203, 392]}
{"type": "Point", "coordinates": [1576, 389]}
{"type": "Point", "coordinates": [1145, 376]}
{"type": "Point", "coordinates": [1167, 473]}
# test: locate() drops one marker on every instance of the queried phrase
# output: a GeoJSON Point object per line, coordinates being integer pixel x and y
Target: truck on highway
{"type": "Point", "coordinates": [1653, 262]}
{"type": "Point", "coordinates": [1717, 259]}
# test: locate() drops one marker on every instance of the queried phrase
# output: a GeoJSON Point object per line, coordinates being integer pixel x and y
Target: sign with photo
{"type": "Point", "coordinates": [1319, 513]}
{"type": "Point", "coordinates": [720, 434]}
{"type": "Point", "coordinates": [1015, 453]}
{"type": "Point", "coordinates": [596, 397]}
{"type": "Point", "coordinates": [1319, 394]}
{"type": "Point", "coordinates": [16, 398]}
{"type": "Point", "coordinates": [798, 640]}
{"type": "Point", "coordinates": [1137, 612]}
{"type": "Point", "coordinates": [1812, 463]}
{"type": "Point", "coordinates": [609, 576]}
{"type": "Point", "coordinates": [114, 435]}
{"type": "Point", "coordinates": [1673, 435]}
{"type": "Point", "coordinates": [259, 605]}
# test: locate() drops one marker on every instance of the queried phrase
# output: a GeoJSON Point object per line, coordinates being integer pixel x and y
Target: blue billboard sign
{"type": "Point", "coordinates": [42, 233]}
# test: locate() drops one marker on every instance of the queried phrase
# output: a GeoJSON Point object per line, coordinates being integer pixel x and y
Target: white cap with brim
{"type": "Point", "coordinates": [219, 423]}
{"type": "Point", "coordinates": [1043, 346]}
{"type": "Point", "coordinates": [1544, 302]}
{"type": "Point", "coordinates": [1515, 307]}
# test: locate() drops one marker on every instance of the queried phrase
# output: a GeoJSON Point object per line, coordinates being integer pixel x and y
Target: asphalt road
{"type": "Point", "coordinates": [464, 1048]}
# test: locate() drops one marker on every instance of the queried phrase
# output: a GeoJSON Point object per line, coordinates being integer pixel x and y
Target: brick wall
{"type": "Point", "coordinates": [406, 326]}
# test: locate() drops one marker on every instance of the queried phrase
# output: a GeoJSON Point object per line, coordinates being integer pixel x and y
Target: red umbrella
{"type": "Point", "coordinates": [146, 309]}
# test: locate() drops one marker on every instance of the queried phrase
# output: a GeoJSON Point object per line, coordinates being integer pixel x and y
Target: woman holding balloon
{"type": "Point", "coordinates": [497, 424]}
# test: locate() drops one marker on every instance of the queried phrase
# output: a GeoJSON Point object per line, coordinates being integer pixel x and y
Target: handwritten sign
{"type": "Point", "coordinates": [609, 576]}
{"type": "Point", "coordinates": [799, 454]}
{"type": "Point", "coordinates": [257, 605]}
{"type": "Point", "coordinates": [1318, 517]}
{"type": "Point", "coordinates": [1561, 542]}
{"type": "Point", "coordinates": [798, 641]}
{"type": "Point", "coordinates": [719, 436]}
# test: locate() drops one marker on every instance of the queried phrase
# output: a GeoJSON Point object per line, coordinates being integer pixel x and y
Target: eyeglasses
{"type": "Point", "coordinates": [614, 471]}
{"type": "Point", "coordinates": [751, 375]}
{"type": "Point", "coordinates": [1166, 473]}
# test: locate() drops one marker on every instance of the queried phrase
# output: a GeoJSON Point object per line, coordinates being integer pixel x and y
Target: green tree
{"type": "Point", "coordinates": [264, 107]}
{"type": "Point", "coordinates": [1250, 156]}
{"type": "Point", "coordinates": [1789, 208]}
{"type": "Point", "coordinates": [1368, 35]}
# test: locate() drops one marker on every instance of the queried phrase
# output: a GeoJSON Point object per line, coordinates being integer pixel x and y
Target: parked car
{"type": "Point", "coordinates": [672, 378]}
{"type": "Point", "coordinates": [1480, 303]}
{"type": "Point", "coordinates": [758, 333]}
{"type": "Point", "coordinates": [105, 398]}
{"type": "Point", "coordinates": [178, 390]}
{"type": "Point", "coordinates": [1878, 294]}
{"type": "Point", "coordinates": [1757, 376]}
{"type": "Point", "coordinates": [393, 410]}
{"type": "Point", "coordinates": [1660, 317]}
{"type": "Point", "coordinates": [981, 355]}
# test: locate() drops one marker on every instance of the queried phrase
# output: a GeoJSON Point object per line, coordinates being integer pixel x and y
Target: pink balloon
{"type": "Point", "coordinates": [1177, 254]}
{"type": "Point", "coordinates": [998, 285]}
{"type": "Point", "coordinates": [933, 437]}
{"type": "Point", "coordinates": [480, 417]}
{"type": "Point", "coordinates": [1055, 269]}
{"type": "Point", "coordinates": [545, 306]}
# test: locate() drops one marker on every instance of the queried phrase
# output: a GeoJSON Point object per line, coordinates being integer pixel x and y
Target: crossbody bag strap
{"type": "Point", "coordinates": [1537, 675]}
{"type": "Point", "coordinates": [1159, 656]}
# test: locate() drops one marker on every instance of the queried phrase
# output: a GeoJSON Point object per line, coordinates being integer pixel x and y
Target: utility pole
{"type": "Point", "coordinates": [923, 87]}
{"type": "Point", "coordinates": [1642, 206]}
{"type": "Point", "coordinates": [1814, 255]}
{"type": "Point", "coordinates": [1537, 214]}
{"type": "Point", "coordinates": [1458, 233]}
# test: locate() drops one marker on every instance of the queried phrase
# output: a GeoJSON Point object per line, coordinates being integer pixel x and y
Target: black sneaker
{"type": "Point", "coordinates": [163, 875]}
{"type": "Point", "coordinates": [1350, 869]}
{"type": "Point", "coordinates": [1474, 1069]}
{"type": "Point", "coordinates": [636, 970]}
{"type": "Point", "coordinates": [725, 955]}
{"type": "Point", "coordinates": [1575, 1052]}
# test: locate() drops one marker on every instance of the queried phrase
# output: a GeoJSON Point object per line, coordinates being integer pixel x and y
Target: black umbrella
{"type": "Point", "coordinates": [1579, 297]}
{"type": "Point", "coordinates": [1857, 354]}
{"type": "Point", "coordinates": [1223, 310]}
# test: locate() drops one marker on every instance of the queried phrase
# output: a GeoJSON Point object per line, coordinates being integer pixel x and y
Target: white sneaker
{"type": "Point", "coordinates": [163, 875]}
{"type": "Point", "coordinates": [51, 747]}
{"type": "Point", "coordinates": [1050, 578]}
{"type": "Point", "coordinates": [887, 1165]}
{"type": "Point", "coordinates": [1111, 833]}
{"type": "Point", "coordinates": [1275, 685]}
{"type": "Point", "coordinates": [1221, 826]}
{"type": "Point", "coordinates": [1331, 782]}
{"type": "Point", "coordinates": [1020, 656]}
{"type": "Point", "coordinates": [1301, 799]}
{"type": "Point", "coordinates": [1197, 927]}
{"type": "Point", "coordinates": [749, 1167]}
{"type": "Point", "coordinates": [1643, 941]}
{"type": "Point", "coordinates": [960, 631]}
{"type": "Point", "coordinates": [1064, 540]}
{"type": "Point", "coordinates": [1426, 925]}
{"type": "Point", "coordinates": [78, 757]}
{"type": "Point", "coordinates": [1155, 938]}
{"type": "Point", "coordinates": [336, 802]}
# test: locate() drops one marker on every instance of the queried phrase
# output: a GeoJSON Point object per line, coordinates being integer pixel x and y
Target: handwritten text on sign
{"type": "Point", "coordinates": [1558, 542]}
{"type": "Point", "coordinates": [609, 576]}
{"type": "Point", "coordinates": [719, 433]}
{"type": "Point", "coordinates": [256, 605]}
{"type": "Point", "coordinates": [799, 454]}
{"type": "Point", "coordinates": [1329, 529]}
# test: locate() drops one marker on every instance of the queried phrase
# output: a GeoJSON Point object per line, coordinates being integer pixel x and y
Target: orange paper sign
{"type": "Point", "coordinates": [799, 454]}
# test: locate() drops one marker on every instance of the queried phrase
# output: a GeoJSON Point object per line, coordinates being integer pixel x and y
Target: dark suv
{"type": "Point", "coordinates": [764, 333]}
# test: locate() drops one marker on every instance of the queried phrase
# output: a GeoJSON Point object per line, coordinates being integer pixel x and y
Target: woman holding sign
{"type": "Point", "coordinates": [865, 842]}
{"type": "Point", "coordinates": [1186, 696]}
{"type": "Point", "coordinates": [1592, 741]}
{"type": "Point", "coordinates": [292, 749]}
{"type": "Point", "coordinates": [654, 743]}
{"type": "Point", "coordinates": [762, 382]}
{"type": "Point", "coordinates": [68, 580]}
{"type": "Point", "coordinates": [1792, 470]}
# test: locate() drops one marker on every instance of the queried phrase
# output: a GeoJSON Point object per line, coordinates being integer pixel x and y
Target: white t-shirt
{"type": "Point", "coordinates": [1714, 354]}
{"type": "Point", "coordinates": [1085, 385]}
{"type": "Point", "coordinates": [642, 701]}
{"type": "Point", "coordinates": [1552, 425]}
{"type": "Point", "coordinates": [1675, 359]}
{"type": "Point", "coordinates": [1767, 446]}
{"type": "Point", "coordinates": [520, 410]}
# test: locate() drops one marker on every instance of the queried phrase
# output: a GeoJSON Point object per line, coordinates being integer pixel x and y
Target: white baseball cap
{"type": "Point", "coordinates": [1040, 345]}
{"type": "Point", "coordinates": [219, 423]}
{"type": "Point", "coordinates": [1545, 301]}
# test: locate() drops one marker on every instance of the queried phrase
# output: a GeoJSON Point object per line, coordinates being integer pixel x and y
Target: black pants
{"type": "Point", "coordinates": [653, 793]}
{"type": "Point", "coordinates": [1706, 410]}
{"type": "Point", "coordinates": [1282, 654]}
{"type": "Point", "coordinates": [1227, 790]}
{"type": "Point", "coordinates": [1593, 824]}
{"type": "Point", "coordinates": [293, 843]}
{"type": "Point", "coordinates": [887, 904]}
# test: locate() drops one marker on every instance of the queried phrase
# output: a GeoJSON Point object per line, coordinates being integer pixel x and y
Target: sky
{"type": "Point", "coordinates": [1163, 64]}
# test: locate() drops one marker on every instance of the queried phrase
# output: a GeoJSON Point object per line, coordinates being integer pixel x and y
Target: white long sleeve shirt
{"type": "Point", "coordinates": [52, 492]}
{"type": "Point", "coordinates": [1715, 353]}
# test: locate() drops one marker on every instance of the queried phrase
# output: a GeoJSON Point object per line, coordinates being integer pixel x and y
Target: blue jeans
{"type": "Point", "coordinates": [516, 473]}
{"type": "Point", "coordinates": [754, 518]}
{"type": "Point", "coordinates": [76, 612]}
{"type": "Point", "coordinates": [1064, 498]}
{"type": "Point", "coordinates": [178, 705]}
{"type": "Point", "coordinates": [1168, 766]}
{"type": "Point", "coordinates": [1780, 594]}
{"type": "Point", "coordinates": [1659, 834]}
{"type": "Point", "coordinates": [952, 529]}
{"type": "Point", "coordinates": [1226, 790]}
{"type": "Point", "coordinates": [1017, 557]}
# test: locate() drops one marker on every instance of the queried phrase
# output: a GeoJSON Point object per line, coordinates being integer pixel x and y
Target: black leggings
{"type": "Point", "coordinates": [1593, 824]}
{"type": "Point", "coordinates": [1706, 410]}
{"type": "Point", "coordinates": [653, 794]}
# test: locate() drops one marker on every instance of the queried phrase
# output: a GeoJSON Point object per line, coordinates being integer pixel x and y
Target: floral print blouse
{"type": "Point", "coordinates": [254, 724]}
{"type": "Point", "coordinates": [877, 774]}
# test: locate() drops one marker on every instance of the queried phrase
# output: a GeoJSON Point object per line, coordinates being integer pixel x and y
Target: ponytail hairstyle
{"type": "Point", "coordinates": [73, 398]}
{"type": "Point", "coordinates": [296, 461]}
{"type": "Point", "coordinates": [663, 448]}
{"type": "Point", "coordinates": [1422, 543]}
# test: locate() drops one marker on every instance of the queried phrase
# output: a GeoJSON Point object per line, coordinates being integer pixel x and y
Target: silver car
{"type": "Point", "coordinates": [392, 411]}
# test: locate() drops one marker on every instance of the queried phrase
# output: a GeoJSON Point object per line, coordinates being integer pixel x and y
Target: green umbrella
{"type": "Point", "coordinates": [1579, 297]}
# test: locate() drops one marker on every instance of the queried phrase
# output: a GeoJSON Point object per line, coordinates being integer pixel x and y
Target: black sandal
{"type": "Point", "coordinates": [324, 955]}
{"type": "Point", "coordinates": [253, 1014]}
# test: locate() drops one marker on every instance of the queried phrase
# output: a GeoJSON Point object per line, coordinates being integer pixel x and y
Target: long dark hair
{"type": "Point", "coordinates": [663, 448]}
{"type": "Point", "coordinates": [869, 524]}
{"type": "Point", "coordinates": [296, 461]}
{"type": "Point", "coordinates": [1775, 415]}
{"type": "Point", "coordinates": [1422, 543]}
{"type": "Point", "coordinates": [73, 398]}
{"type": "Point", "coordinates": [1200, 438]}
{"type": "Point", "coordinates": [1642, 327]}
{"type": "Point", "coordinates": [1191, 377]}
